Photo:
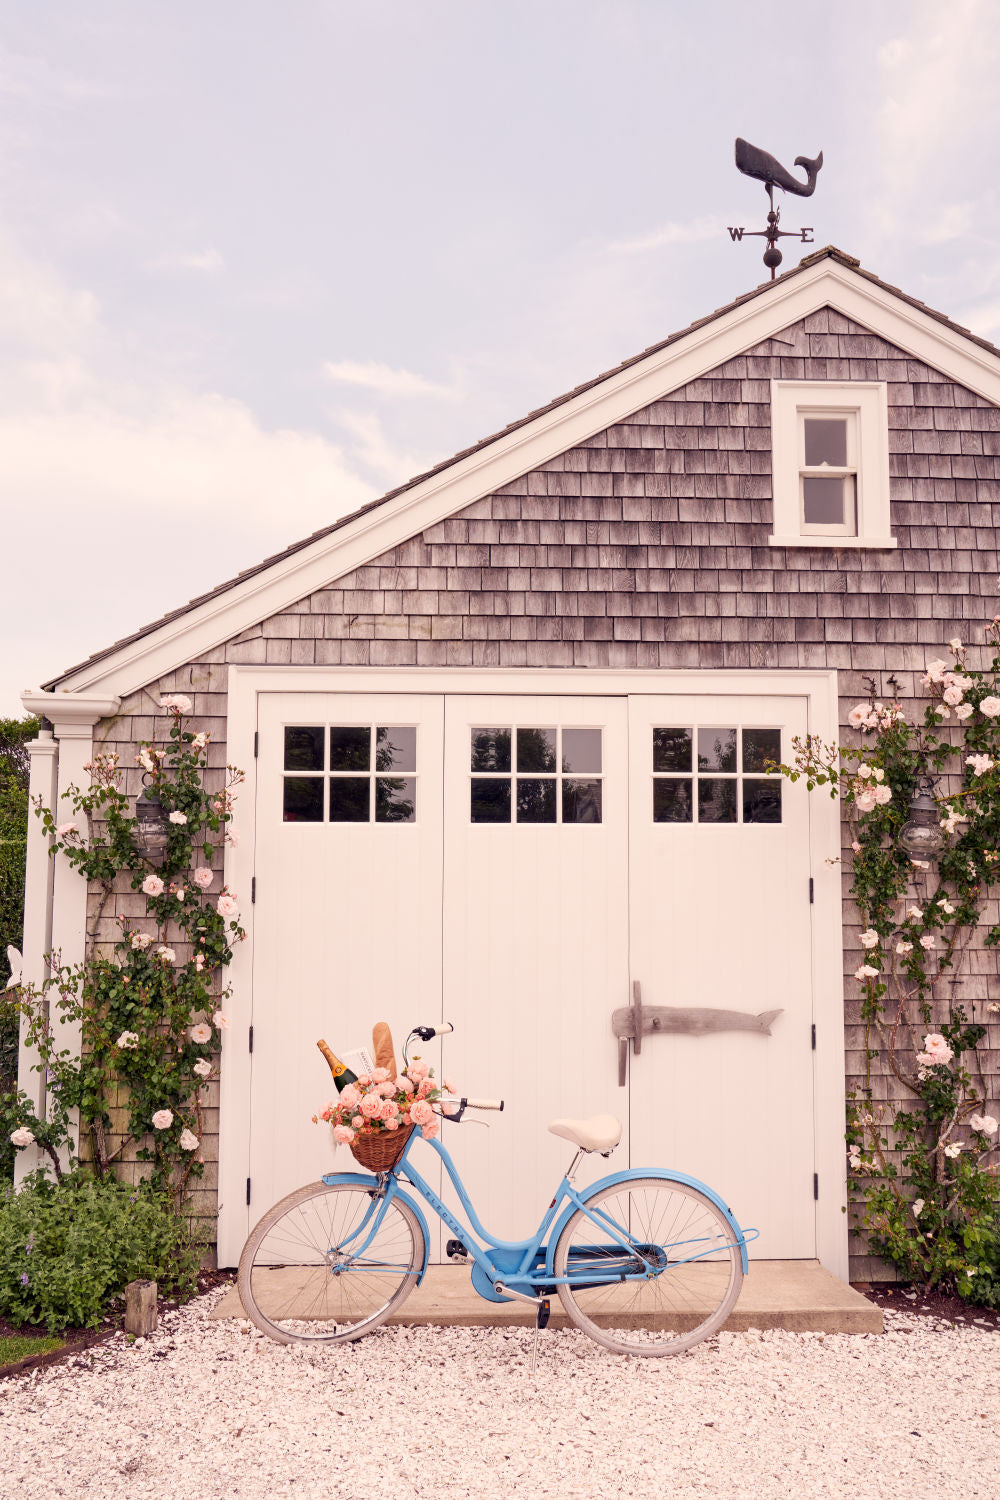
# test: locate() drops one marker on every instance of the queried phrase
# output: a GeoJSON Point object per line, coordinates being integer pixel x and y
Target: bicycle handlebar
{"type": "Point", "coordinates": [483, 1103]}
{"type": "Point", "coordinates": [426, 1033]}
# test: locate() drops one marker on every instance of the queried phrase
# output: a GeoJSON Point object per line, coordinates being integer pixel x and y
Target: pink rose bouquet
{"type": "Point", "coordinates": [377, 1103]}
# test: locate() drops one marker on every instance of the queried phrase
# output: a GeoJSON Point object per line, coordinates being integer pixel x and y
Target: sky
{"type": "Point", "coordinates": [260, 263]}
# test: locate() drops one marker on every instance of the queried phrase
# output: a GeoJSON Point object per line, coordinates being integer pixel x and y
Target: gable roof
{"type": "Point", "coordinates": [828, 277]}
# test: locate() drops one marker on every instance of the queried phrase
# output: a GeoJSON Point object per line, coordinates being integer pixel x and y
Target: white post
{"type": "Point", "coordinates": [73, 716]}
{"type": "Point", "coordinates": [44, 754]}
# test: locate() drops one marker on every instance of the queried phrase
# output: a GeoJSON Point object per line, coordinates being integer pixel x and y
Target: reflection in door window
{"type": "Point", "coordinates": [720, 788]}
{"type": "Point", "coordinates": [359, 777]}
{"type": "Point", "coordinates": [554, 776]}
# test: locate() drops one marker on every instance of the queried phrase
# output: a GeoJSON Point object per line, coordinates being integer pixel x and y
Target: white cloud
{"type": "Point", "coordinates": [208, 261]}
{"type": "Point", "coordinates": [125, 494]}
{"type": "Point", "coordinates": [383, 380]}
{"type": "Point", "coordinates": [377, 453]}
{"type": "Point", "coordinates": [691, 233]}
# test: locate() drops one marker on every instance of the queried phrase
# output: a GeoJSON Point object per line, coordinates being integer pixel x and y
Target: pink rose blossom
{"type": "Point", "coordinates": [390, 1109]}
{"type": "Point", "coordinates": [227, 906]}
{"type": "Point", "coordinates": [343, 1134]}
{"type": "Point", "coordinates": [188, 1141]}
{"type": "Point", "coordinates": [936, 1050]}
{"type": "Point", "coordinates": [357, 1121]}
{"type": "Point", "coordinates": [203, 877]}
{"type": "Point", "coordinates": [421, 1113]}
{"type": "Point", "coordinates": [201, 1033]}
{"type": "Point", "coordinates": [985, 1124]}
{"type": "Point", "coordinates": [350, 1096]}
{"type": "Point", "coordinates": [371, 1106]}
{"type": "Point", "coordinates": [220, 1020]}
{"type": "Point", "coordinates": [163, 1119]}
{"type": "Point", "coordinates": [176, 703]}
{"type": "Point", "coordinates": [153, 885]}
{"type": "Point", "coordinates": [203, 1067]}
{"type": "Point", "coordinates": [856, 847]}
{"type": "Point", "coordinates": [418, 1070]}
{"type": "Point", "coordinates": [380, 1075]}
{"type": "Point", "coordinates": [386, 1089]}
{"type": "Point", "coordinates": [429, 1131]}
{"type": "Point", "coordinates": [426, 1087]}
{"type": "Point", "coordinates": [403, 1086]}
{"type": "Point", "coordinates": [391, 1122]}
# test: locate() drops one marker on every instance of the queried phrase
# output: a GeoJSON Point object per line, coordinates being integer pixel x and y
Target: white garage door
{"type": "Point", "coordinates": [514, 865]}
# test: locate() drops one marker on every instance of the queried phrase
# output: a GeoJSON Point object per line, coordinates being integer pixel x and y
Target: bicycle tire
{"type": "Point", "coordinates": [683, 1300]}
{"type": "Point", "coordinates": [296, 1281]}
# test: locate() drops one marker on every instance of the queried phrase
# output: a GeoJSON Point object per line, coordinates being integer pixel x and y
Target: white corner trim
{"type": "Point", "coordinates": [37, 941]}
{"type": "Point", "coordinates": [288, 579]}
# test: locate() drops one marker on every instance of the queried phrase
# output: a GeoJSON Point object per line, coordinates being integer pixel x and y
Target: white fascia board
{"type": "Point", "coordinates": [289, 579]}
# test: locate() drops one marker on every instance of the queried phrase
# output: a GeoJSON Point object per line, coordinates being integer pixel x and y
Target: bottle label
{"type": "Point", "coordinates": [340, 1068]}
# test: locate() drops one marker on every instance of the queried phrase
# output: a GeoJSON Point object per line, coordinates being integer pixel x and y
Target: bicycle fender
{"type": "Point", "coordinates": [359, 1179]}
{"type": "Point", "coordinates": [632, 1174]}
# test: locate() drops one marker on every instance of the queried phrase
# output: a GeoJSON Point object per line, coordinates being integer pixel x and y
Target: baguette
{"type": "Point", "coordinates": [382, 1043]}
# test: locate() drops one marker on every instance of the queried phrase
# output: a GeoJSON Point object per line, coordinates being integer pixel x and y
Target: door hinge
{"type": "Point", "coordinates": [813, 1035]}
{"type": "Point", "coordinates": [815, 1186]}
{"type": "Point", "coordinates": [251, 1038]}
{"type": "Point", "coordinates": [812, 893]}
{"type": "Point", "coordinates": [256, 743]}
{"type": "Point", "coordinates": [248, 1192]}
{"type": "Point", "coordinates": [253, 889]}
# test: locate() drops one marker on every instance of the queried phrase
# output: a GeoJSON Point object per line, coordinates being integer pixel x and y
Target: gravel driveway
{"type": "Point", "coordinates": [211, 1409]}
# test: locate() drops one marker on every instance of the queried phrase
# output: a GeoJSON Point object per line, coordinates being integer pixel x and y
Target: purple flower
{"type": "Point", "coordinates": [30, 1243]}
{"type": "Point", "coordinates": [24, 1278]}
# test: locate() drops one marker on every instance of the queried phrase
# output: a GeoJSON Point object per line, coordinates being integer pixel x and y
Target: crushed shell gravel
{"type": "Point", "coordinates": [214, 1409]}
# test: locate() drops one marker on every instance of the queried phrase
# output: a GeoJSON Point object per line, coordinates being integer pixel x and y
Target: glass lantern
{"type": "Point", "coordinates": [152, 830]}
{"type": "Point", "coordinates": [921, 836]}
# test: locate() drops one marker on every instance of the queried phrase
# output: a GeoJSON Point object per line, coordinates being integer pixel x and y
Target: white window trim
{"type": "Point", "coordinates": [865, 401]}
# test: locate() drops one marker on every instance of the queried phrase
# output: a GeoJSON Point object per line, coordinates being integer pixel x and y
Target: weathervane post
{"type": "Point", "coordinates": [753, 162]}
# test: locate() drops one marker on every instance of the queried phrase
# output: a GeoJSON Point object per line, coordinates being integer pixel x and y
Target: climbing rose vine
{"type": "Point", "coordinates": [922, 1132]}
{"type": "Point", "coordinates": [150, 1004]}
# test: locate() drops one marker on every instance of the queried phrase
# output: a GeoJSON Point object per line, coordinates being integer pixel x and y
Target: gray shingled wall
{"type": "Point", "coordinates": [647, 547]}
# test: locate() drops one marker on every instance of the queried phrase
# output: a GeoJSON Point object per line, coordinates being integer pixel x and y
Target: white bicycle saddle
{"type": "Point", "coordinates": [599, 1133]}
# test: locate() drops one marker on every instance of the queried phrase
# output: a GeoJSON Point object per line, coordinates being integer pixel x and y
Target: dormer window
{"type": "Point", "coordinates": [830, 463]}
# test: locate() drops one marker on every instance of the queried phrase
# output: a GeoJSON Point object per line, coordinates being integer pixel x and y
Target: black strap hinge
{"type": "Point", "coordinates": [256, 743]}
{"type": "Point", "coordinates": [248, 1192]}
{"type": "Point", "coordinates": [816, 1185]}
{"type": "Point", "coordinates": [812, 892]}
{"type": "Point", "coordinates": [251, 1038]}
{"type": "Point", "coordinates": [814, 1035]}
{"type": "Point", "coordinates": [253, 889]}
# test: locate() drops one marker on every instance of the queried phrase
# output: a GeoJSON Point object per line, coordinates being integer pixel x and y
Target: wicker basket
{"type": "Point", "coordinates": [381, 1152]}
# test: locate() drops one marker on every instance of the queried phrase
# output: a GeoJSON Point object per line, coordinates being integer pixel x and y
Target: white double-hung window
{"type": "Point", "coordinates": [830, 461]}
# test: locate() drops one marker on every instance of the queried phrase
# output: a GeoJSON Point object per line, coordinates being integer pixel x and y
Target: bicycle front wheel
{"type": "Point", "coordinates": [675, 1250]}
{"type": "Point", "coordinates": [330, 1263]}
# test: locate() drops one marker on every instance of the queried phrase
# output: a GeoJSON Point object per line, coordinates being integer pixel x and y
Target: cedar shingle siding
{"type": "Point", "coordinates": [647, 547]}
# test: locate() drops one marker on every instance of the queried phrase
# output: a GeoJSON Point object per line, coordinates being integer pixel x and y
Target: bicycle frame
{"type": "Point", "coordinates": [516, 1263]}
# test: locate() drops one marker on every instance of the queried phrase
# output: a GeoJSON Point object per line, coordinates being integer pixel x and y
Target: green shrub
{"type": "Point", "coordinates": [68, 1249]}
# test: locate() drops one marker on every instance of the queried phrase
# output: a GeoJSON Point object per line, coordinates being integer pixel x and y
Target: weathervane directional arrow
{"type": "Point", "coordinates": [753, 162]}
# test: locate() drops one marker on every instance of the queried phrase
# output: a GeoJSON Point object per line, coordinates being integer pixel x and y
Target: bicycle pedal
{"type": "Point", "coordinates": [544, 1313]}
{"type": "Point", "coordinates": [455, 1250]}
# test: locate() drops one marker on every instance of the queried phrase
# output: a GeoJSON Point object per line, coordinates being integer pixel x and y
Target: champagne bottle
{"type": "Point", "coordinates": [342, 1074]}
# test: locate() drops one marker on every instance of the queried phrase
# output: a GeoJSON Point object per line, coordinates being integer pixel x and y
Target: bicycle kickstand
{"type": "Point", "coordinates": [541, 1321]}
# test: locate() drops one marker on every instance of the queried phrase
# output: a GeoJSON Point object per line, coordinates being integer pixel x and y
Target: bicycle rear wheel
{"type": "Point", "coordinates": [678, 1238]}
{"type": "Point", "coordinates": [320, 1267]}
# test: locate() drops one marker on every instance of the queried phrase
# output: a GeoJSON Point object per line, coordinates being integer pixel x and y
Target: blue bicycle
{"type": "Point", "coordinates": [646, 1262]}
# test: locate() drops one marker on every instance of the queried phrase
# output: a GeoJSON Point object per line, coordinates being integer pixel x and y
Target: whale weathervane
{"type": "Point", "coordinates": [753, 162]}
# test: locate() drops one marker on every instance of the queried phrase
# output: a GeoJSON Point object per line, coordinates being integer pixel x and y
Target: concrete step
{"type": "Point", "coordinates": [798, 1295]}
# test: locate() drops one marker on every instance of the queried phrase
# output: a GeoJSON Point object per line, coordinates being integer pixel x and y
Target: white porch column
{"type": "Point", "coordinates": [37, 922]}
{"type": "Point", "coordinates": [64, 936]}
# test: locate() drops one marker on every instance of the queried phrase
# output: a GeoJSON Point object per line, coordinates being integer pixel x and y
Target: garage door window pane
{"type": "Point", "coordinates": [395, 799]}
{"type": "Point", "coordinates": [581, 750]}
{"type": "Point", "coordinates": [762, 801]}
{"type": "Point", "coordinates": [716, 749]}
{"type": "Point", "coordinates": [581, 801]}
{"type": "Point", "coordinates": [302, 800]}
{"type": "Point", "coordinates": [396, 748]}
{"type": "Point", "coordinates": [491, 749]}
{"type": "Point", "coordinates": [491, 800]}
{"type": "Point", "coordinates": [350, 748]}
{"type": "Point", "coordinates": [671, 749]}
{"type": "Point", "coordinates": [350, 799]}
{"type": "Point", "coordinates": [716, 800]}
{"type": "Point", "coordinates": [536, 799]}
{"type": "Point", "coordinates": [536, 750]}
{"type": "Point", "coordinates": [304, 747]}
{"type": "Point", "coordinates": [672, 801]}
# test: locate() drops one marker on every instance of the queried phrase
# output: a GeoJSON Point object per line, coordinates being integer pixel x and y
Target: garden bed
{"type": "Point", "coordinates": [891, 1296]}
{"type": "Point", "coordinates": [74, 1341]}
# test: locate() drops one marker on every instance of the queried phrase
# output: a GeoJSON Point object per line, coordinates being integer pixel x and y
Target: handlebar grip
{"type": "Point", "coordinates": [484, 1103]}
{"type": "Point", "coordinates": [425, 1033]}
